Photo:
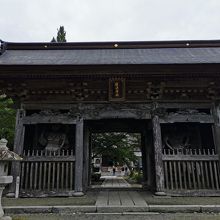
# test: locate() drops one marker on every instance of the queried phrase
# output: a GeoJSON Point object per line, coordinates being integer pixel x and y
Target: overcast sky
{"type": "Point", "coordinates": [109, 20]}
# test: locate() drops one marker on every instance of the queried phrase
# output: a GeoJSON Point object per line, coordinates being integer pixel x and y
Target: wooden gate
{"type": "Point", "coordinates": [47, 173]}
{"type": "Point", "coordinates": [191, 170]}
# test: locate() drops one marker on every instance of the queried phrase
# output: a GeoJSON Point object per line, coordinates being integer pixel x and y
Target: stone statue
{"type": "Point", "coordinates": [53, 140]}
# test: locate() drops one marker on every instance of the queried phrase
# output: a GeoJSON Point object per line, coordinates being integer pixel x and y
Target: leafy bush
{"type": "Point", "coordinates": [136, 177]}
{"type": "Point", "coordinates": [7, 120]}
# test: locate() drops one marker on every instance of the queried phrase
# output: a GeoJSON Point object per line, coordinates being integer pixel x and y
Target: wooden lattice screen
{"type": "Point", "coordinates": [191, 169]}
{"type": "Point", "coordinates": [47, 172]}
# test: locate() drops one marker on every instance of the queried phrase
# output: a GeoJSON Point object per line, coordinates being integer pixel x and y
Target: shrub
{"type": "Point", "coordinates": [136, 177]}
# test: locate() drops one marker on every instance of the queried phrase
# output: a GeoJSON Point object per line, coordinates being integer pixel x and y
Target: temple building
{"type": "Point", "coordinates": [168, 91]}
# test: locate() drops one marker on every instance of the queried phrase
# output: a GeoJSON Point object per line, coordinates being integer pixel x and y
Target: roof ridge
{"type": "Point", "coordinates": [111, 45]}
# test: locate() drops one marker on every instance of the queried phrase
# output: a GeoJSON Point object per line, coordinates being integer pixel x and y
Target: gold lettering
{"type": "Point", "coordinates": [116, 85]}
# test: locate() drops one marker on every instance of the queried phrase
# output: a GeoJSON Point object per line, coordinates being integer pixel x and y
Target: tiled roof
{"type": "Point", "coordinates": [110, 56]}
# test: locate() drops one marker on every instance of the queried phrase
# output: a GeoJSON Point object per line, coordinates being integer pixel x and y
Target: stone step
{"type": "Point", "coordinates": [123, 216]}
{"type": "Point", "coordinates": [113, 209]}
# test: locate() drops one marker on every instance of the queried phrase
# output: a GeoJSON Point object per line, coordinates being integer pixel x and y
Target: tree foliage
{"type": "Point", "coordinates": [7, 119]}
{"type": "Point", "coordinates": [61, 35]}
{"type": "Point", "coordinates": [53, 40]}
{"type": "Point", "coordinates": [118, 147]}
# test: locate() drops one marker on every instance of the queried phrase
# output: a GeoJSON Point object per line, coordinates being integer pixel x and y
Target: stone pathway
{"type": "Point", "coordinates": [114, 182]}
{"type": "Point", "coordinates": [120, 198]}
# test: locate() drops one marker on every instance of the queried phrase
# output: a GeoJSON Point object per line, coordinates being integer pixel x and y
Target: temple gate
{"type": "Point", "coordinates": [167, 91]}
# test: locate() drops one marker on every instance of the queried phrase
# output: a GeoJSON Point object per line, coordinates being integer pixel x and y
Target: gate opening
{"type": "Point", "coordinates": [120, 152]}
{"type": "Point", "coordinates": [116, 160]}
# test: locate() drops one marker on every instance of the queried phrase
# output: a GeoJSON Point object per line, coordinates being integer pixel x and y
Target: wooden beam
{"type": "Point", "coordinates": [48, 120]}
{"type": "Point", "coordinates": [187, 118]}
{"type": "Point", "coordinates": [158, 156]}
{"type": "Point", "coordinates": [90, 111]}
{"type": "Point", "coordinates": [190, 157]}
{"type": "Point", "coordinates": [49, 159]}
{"type": "Point", "coordinates": [79, 158]}
{"type": "Point", "coordinates": [185, 105]}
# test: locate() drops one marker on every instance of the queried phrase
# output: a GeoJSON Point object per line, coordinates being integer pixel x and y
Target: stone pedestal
{"type": "Point", "coordinates": [6, 156]}
{"type": "Point", "coordinates": [78, 194]}
{"type": "Point", "coordinates": [4, 180]}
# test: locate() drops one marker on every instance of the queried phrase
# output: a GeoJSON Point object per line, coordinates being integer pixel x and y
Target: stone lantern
{"type": "Point", "coordinates": [5, 157]}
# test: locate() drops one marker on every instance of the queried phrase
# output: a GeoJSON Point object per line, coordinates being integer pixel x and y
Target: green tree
{"type": "Point", "coordinates": [53, 40]}
{"type": "Point", "coordinates": [61, 35]}
{"type": "Point", "coordinates": [7, 119]}
{"type": "Point", "coordinates": [118, 147]}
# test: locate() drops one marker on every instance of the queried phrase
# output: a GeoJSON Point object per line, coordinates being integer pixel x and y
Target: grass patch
{"type": "Point", "coordinates": [153, 200]}
{"type": "Point", "coordinates": [85, 200]}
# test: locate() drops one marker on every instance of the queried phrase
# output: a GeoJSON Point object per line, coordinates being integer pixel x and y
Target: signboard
{"type": "Point", "coordinates": [116, 89]}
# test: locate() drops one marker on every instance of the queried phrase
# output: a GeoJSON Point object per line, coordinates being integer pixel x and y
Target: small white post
{"type": "Point", "coordinates": [17, 187]}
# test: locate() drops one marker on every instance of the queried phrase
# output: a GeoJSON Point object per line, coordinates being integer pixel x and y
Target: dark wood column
{"type": "Point", "coordinates": [217, 129]}
{"type": "Point", "coordinates": [79, 158]}
{"type": "Point", "coordinates": [18, 148]}
{"type": "Point", "coordinates": [149, 158]}
{"type": "Point", "coordinates": [86, 163]}
{"type": "Point", "coordinates": [159, 172]}
{"type": "Point", "coordinates": [144, 158]}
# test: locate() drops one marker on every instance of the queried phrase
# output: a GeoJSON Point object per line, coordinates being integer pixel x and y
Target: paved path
{"type": "Point", "coordinates": [114, 182]}
{"type": "Point", "coordinates": [120, 198]}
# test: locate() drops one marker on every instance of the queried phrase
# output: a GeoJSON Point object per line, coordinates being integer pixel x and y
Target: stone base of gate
{"type": "Point", "coordinates": [78, 194]}
{"type": "Point", "coordinates": [194, 193]}
{"type": "Point", "coordinates": [112, 209]}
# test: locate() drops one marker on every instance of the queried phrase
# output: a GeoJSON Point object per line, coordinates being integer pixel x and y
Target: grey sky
{"type": "Point", "coordinates": [109, 20]}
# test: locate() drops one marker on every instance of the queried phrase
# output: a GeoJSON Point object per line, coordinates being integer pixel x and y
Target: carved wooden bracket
{"type": "Point", "coordinates": [155, 90]}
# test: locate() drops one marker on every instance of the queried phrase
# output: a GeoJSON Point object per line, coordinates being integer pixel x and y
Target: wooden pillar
{"type": "Point", "coordinates": [79, 158]}
{"type": "Point", "coordinates": [86, 157]}
{"type": "Point", "coordinates": [149, 158]}
{"type": "Point", "coordinates": [159, 172]}
{"type": "Point", "coordinates": [217, 131]}
{"type": "Point", "coordinates": [90, 158]}
{"type": "Point", "coordinates": [18, 148]}
{"type": "Point", "coordinates": [144, 158]}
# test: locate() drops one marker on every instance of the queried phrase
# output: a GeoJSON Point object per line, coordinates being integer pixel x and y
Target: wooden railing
{"type": "Point", "coordinates": [191, 169]}
{"type": "Point", "coordinates": [47, 171]}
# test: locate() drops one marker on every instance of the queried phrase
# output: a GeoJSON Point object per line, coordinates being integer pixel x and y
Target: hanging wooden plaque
{"type": "Point", "coordinates": [116, 89]}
